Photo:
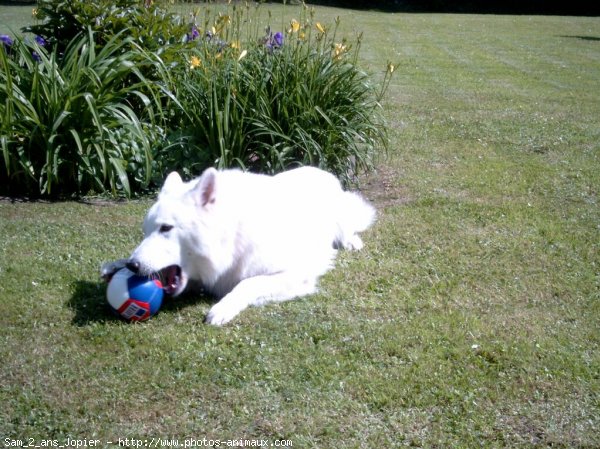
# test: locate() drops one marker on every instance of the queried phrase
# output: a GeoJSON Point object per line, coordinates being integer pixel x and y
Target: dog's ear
{"type": "Point", "coordinates": [171, 183]}
{"type": "Point", "coordinates": [206, 188]}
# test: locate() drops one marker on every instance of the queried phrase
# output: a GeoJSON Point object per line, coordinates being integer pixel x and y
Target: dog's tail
{"type": "Point", "coordinates": [354, 215]}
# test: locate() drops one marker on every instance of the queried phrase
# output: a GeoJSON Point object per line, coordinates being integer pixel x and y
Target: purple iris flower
{"type": "Point", "coordinates": [6, 40]}
{"type": "Point", "coordinates": [194, 34]}
{"type": "Point", "coordinates": [277, 39]}
{"type": "Point", "coordinates": [40, 41]}
{"type": "Point", "coordinates": [274, 41]}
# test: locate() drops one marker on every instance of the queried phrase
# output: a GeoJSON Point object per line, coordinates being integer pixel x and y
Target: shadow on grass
{"type": "Point", "coordinates": [17, 2]}
{"type": "Point", "coordinates": [512, 7]}
{"type": "Point", "coordinates": [88, 302]}
{"type": "Point", "coordinates": [584, 38]}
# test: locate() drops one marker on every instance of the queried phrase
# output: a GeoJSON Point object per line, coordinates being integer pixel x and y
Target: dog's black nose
{"type": "Point", "coordinates": [133, 266]}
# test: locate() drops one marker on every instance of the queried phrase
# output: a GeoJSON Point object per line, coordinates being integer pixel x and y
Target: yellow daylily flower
{"type": "Point", "coordinates": [391, 67]}
{"type": "Point", "coordinates": [195, 62]}
{"type": "Point", "coordinates": [338, 51]}
{"type": "Point", "coordinates": [320, 27]}
{"type": "Point", "coordinates": [294, 26]}
{"type": "Point", "coordinates": [221, 22]}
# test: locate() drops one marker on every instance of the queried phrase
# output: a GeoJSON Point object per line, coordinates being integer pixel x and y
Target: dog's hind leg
{"type": "Point", "coordinates": [354, 215]}
{"type": "Point", "coordinates": [259, 290]}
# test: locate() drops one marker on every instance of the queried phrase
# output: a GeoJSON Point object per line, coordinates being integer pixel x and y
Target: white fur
{"type": "Point", "coordinates": [251, 239]}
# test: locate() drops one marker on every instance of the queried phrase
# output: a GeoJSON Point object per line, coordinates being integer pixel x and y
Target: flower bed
{"type": "Point", "coordinates": [112, 95]}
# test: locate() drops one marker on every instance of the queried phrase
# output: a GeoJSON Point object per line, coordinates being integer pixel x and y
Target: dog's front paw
{"type": "Point", "coordinates": [354, 243]}
{"type": "Point", "coordinates": [222, 313]}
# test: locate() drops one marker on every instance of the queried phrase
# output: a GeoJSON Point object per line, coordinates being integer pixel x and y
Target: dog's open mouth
{"type": "Point", "coordinates": [171, 279]}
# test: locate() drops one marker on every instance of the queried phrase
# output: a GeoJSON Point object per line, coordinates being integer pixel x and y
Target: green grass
{"type": "Point", "coordinates": [14, 17]}
{"type": "Point", "coordinates": [469, 320]}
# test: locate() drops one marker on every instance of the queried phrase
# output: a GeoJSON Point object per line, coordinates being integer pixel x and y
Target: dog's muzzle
{"type": "Point", "coordinates": [133, 266]}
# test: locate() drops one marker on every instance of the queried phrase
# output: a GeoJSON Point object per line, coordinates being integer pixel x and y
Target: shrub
{"type": "Point", "coordinates": [148, 25]}
{"type": "Point", "coordinates": [278, 100]}
{"type": "Point", "coordinates": [74, 126]}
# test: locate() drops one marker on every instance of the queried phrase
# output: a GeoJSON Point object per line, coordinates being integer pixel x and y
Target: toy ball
{"type": "Point", "coordinates": [134, 297]}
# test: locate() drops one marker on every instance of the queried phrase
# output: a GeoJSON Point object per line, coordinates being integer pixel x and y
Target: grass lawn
{"type": "Point", "coordinates": [471, 319]}
{"type": "Point", "coordinates": [15, 16]}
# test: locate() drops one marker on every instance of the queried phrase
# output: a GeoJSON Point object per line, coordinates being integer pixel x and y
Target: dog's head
{"type": "Point", "coordinates": [175, 230]}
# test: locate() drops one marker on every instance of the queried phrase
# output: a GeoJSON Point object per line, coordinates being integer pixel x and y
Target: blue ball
{"type": "Point", "coordinates": [134, 297]}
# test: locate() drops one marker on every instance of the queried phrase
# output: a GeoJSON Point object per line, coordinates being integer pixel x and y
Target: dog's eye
{"type": "Point", "coordinates": [165, 228]}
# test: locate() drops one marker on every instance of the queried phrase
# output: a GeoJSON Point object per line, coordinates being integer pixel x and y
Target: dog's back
{"type": "Point", "coordinates": [293, 221]}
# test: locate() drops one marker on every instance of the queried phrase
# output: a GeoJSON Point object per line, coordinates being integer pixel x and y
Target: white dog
{"type": "Point", "coordinates": [248, 239]}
